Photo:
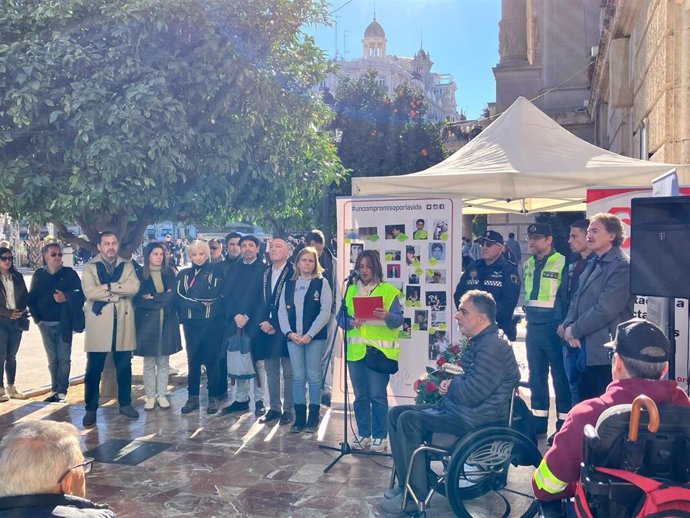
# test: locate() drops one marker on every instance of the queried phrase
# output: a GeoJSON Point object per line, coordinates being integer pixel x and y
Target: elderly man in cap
{"type": "Point", "coordinates": [543, 273]}
{"type": "Point", "coordinates": [639, 356]}
{"type": "Point", "coordinates": [496, 275]}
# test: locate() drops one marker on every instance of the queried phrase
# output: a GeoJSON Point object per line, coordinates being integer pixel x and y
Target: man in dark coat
{"type": "Point", "coordinates": [242, 296]}
{"type": "Point", "coordinates": [44, 473]}
{"type": "Point", "coordinates": [272, 342]}
{"type": "Point", "coordinates": [479, 396]}
{"type": "Point", "coordinates": [56, 302]}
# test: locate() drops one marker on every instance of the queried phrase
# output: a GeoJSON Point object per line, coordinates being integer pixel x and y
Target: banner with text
{"type": "Point", "coordinates": [419, 242]}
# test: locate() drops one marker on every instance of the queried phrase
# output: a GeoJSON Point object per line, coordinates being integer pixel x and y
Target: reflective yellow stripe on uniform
{"type": "Point", "coordinates": [549, 281]}
{"type": "Point", "coordinates": [547, 481]}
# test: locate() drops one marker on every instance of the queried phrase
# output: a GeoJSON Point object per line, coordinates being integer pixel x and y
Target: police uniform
{"type": "Point", "coordinates": [543, 278]}
{"type": "Point", "coordinates": [501, 279]}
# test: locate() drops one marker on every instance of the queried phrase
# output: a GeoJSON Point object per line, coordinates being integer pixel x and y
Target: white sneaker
{"type": "Point", "coordinates": [150, 403]}
{"type": "Point", "coordinates": [163, 402]}
{"type": "Point", "coordinates": [379, 444]}
{"type": "Point", "coordinates": [14, 393]}
{"type": "Point", "coordinates": [62, 398]}
{"type": "Point", "coordinates": [3, 396]}
{"type": "Point", "coordinates": [362, 442]}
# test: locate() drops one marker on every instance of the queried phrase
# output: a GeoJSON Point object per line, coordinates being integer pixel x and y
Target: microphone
{"type": "Point", "coordinates": [353, 276]}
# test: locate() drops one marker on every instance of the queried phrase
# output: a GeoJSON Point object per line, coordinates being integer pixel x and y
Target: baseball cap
{"type": "Point", "coordinates": [634, 335]}
{"type": "Point", "coordinates": [491, 236]}
{"type": "Point", "coordinates": [539, 229]}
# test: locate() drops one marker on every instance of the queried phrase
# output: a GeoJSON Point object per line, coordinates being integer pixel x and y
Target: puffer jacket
{"type": "Point", "coordinates": [481, 395]}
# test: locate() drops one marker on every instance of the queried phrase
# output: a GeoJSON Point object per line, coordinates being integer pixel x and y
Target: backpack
{"type": "Point", "coordinates": [659, 500]}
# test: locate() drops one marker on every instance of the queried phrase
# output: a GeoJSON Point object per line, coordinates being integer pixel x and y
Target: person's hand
{"type": "Point", "coordinates": [306, 339]}
{"type": "Point", "coordinates": [241, 321]}
{"type": "Point", "coordinates": [59, 297]}
{"type": "Point", "coordinates": [380, 313]}
{"type": "Point", "coordinates": [295, 338]}
{"type": "Point", "coordinates": [357, 323]}
{"type": "Point", "coordinates": [266, 327]}
{"type": "Point", "coordinates": [443, 387]}
{"type": "Point", "coordinates": [15, 315]}
{"type": "Point", "coordinates": [560, 331]}
{"type": "Point", "coordinates": [574, 342]}
{"type": "Point", "coordinates": [568, 334]}
{"type": "Point", "coordinates": [148, 296]}
{"type": "Point", "coordinates": [105, 287]}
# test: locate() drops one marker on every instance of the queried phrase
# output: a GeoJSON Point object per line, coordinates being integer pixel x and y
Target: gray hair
{"type": "Point", "coordinates": [483, 302]}
{"type": "Point", "coordinates": [640, 369]}
{"type": "Point", "coordinates": [198, 245]}
{"type": "Point", "coordinates": [35, 454]}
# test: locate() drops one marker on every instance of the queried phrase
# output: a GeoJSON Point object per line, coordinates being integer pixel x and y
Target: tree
{"type": "Point", "coordinates": [383, 136]}
{"type": "Point", "coordinates": [116, 114]}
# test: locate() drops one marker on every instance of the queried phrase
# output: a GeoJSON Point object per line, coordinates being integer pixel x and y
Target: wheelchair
{"type": "Point", "coordinates": [654, 443]}
{"type": "Point", "coordinates": [487, 472]}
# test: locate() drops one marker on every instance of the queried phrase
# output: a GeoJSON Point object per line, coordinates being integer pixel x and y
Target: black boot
{"type": "Point", "coordinates": [313, 419]}
{"type": "Point", "coordinates": [300, 419]}
{"type": "Point", "coordinates": [212, 405]}
{"type": "Point", "coordinates": [191, 405]}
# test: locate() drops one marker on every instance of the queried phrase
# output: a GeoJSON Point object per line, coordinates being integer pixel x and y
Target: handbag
{"type": "Point", "coordinates": [375, 360]}
{"type": "Point", "coordinates": [239, 357]}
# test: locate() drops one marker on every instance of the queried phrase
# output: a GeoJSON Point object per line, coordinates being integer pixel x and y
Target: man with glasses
{"type": "Point", "coordinates": [56, 302]}
{"type": "Point", "coordinates": [44, 473]}
{"type": "Point", "coordinates": [639, 359]}
{"type": "Point", "coordinates": [216, 248]}
{"type": "Point", "coordinates": [543, 273]}
{"type": "Point", "coordinates": [493, 274]}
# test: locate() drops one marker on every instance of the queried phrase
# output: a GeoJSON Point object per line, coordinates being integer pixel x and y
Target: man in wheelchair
{"type": "Point", "coordinates": [639, 355]}
{"type": "Point", "coordinates": [480, 395]}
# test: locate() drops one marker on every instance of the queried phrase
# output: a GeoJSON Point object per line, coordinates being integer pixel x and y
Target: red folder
{"type": "Point", "coordinates": [365, 306]}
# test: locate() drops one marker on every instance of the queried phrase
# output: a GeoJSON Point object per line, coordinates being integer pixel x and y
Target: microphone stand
{"type": "Point", "coordinates": [345, 448]}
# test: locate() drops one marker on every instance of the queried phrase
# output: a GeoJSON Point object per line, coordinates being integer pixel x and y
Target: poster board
{"type": "Point", "coordinates": [618, 202]}
{"type": "Point", "coordinates": [420, 244]}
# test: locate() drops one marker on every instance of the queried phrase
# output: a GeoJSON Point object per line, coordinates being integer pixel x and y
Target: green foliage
{"type": "Point", "coordinates": [116, 114]}
{"type": "Point", "coordinates": [384, 136]}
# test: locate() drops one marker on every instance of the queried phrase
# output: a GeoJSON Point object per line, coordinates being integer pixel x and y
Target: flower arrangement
{"type": "Point", "coordinates": [427, 387]}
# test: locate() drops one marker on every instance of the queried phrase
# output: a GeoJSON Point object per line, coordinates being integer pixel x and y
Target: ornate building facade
{"type": "Point", "coordinates": [640, 96]}
{"type": "Point", "coordinates": [439, 89]}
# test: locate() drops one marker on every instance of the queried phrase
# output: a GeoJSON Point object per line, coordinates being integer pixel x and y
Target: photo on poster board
{"type": "Point", "coordinates": [413, 296]}
{"type": "Point", "coordinates": [396, 232]}
{"type": "Point", "coordinates": [420, 231]}
{"type": "Point", "coordinates": [355, 250]}
{"type": "Point", "coordinates": [440, 230]}
{"type": "Point", "coordinates": [412, 255]}
{"type": "Point", "coordinates": [438, 319]}
{"type": "Point", "coordinates": [437, 253]}
{"type": "Point", "coordinates": [406, 329]}
{"type": "Point", "coordinates": [421, 321]}
{"type": "Point", "coordinates": [436, 300]}
{"type": "Point", "coordinates": [392, 255]}
{"type": "Point", "coordinates": [413, 278]}
{"type": "Point", "coordinates": [368, 233]}
{"type": "Point", "coordinates": [393, 271]}
{"type": "Point", "coordinates": [438, 343]}
{"type": "Point", "coordinates": [436, 276]}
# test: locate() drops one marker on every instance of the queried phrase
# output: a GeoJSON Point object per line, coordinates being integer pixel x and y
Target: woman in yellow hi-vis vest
{"type": "Point", "coordinates": [377, 339]}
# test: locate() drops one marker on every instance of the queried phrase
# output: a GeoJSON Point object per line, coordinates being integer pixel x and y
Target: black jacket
{"type": "Point", "coordinates": [242, 296]}
{"type": "Point", "coordinates": [44, 308]}
{"type": "Point", "coordinates": [481, 395]}
{"type": "Point", "coordinates": [200, 298]}
{"type": "Point", "coordinates": [21, 296]}
{"type": "Point", "coordinates": [48, 506]}
{"type": "Point", "coordinates": [272, 346]}
{"type": "Point", "coordinates": [152, 338]}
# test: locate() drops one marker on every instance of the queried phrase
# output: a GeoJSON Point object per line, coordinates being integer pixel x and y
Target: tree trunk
{"type": "Point", "coordinates": [34, 246]}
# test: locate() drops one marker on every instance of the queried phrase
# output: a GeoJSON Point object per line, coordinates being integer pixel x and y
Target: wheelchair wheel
{"type": "Point", "coordinates": [490, 474]}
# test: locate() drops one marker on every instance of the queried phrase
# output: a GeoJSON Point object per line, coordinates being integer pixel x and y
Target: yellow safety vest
{"type": "Point", "coordinates": [549, 281]}
{"type": "Point", "coordinates": [379, 336]}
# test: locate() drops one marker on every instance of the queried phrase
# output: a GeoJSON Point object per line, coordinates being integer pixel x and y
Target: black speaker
{"type": "Point", "coordinates": [660, 247]}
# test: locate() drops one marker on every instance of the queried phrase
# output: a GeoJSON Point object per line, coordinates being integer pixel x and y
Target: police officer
{"type": "Point", "coordinates": [543, 273]}
{"type": "Point", "coordinates": [495, 274]}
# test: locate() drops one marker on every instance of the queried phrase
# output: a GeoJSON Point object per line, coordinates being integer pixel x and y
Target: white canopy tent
{"type": "Point", "coordinates": [523, 162]}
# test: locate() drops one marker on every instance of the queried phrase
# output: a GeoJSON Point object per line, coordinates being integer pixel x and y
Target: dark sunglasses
{"type": "Point", "coordinates": [55, 254]}
{"type": "Point", "coordinates": [214, 247]}
{"type": "Point", "coordinates": [6, 258]}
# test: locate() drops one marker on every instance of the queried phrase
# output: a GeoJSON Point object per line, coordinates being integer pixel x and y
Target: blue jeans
{"type": "Point", "coordinates": [371, 400]}
{"type": "Point", "coordinates": [305, 361]}
{"type": "Point", "coordinates": [59, 354]}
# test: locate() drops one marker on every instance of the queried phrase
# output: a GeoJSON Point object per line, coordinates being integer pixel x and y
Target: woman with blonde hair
{"type": "Point", "coordinates": [199, 295]}
{"type": "Point", "coordinates": [304, 311]}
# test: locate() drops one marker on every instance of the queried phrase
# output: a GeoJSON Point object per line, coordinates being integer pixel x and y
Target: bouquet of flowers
{"type": "Point", "coordinates": [447, 366]}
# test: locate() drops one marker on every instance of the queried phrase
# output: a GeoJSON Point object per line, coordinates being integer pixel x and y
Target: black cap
{"type": "Point", "coordinates": [633, 336]}
{"type": "Point", "coordinates": [539, 229]}
{"type": "Point", "coordinates": [491, 236]}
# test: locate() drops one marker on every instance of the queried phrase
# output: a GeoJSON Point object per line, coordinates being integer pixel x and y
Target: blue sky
{"type": "Point", "coordinates": [460, 35]}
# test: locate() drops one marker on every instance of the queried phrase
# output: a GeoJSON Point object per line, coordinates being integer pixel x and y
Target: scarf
{"type": "Point", "coordinates": [106, 278]}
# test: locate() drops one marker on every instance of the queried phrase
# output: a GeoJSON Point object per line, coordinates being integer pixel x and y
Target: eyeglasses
{"type": "Point", "coordinates": [55, 254]}
{"type": "Point", "coordinates": [6, 258]}
{"type": "Point", "coordinates": [214, 247]}
{"type": "Point", "coordinates": [612, 353]}
{"type": "Point", "coordinates": [487, 244]}
{"type": "Point", "coordinates": [88, 462]}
